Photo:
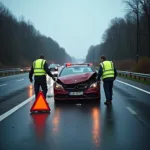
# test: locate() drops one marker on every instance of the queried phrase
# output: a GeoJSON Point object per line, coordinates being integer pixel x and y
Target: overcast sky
{"type": "Point", "coordinates": [74, 24]}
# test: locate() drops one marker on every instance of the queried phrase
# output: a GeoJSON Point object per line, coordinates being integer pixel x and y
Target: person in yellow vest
{"type": "Point", "coordinates": [40, 70]}
{"type": "Point", "coordinates": [108, 74]}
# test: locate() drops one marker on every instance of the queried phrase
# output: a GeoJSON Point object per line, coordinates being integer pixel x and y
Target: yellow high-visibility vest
{"type": "Point", "coordinates": [108, 69]}
{"type": "Point", "coordinates": [38, 66]}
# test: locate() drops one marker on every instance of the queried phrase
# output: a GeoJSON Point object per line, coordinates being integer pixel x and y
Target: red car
{"type": "Point", "coordinates": [77, 82]}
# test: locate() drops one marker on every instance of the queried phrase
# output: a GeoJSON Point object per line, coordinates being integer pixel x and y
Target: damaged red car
{"type": "Point", "coordinates": [77, 82]}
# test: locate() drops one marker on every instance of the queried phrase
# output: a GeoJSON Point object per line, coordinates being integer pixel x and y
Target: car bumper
{"type": "Point", "coordinates": [87, 95]}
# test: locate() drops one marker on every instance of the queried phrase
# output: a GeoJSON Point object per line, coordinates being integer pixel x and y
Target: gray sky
{"type": "Point", "coordinates": [74, 24]}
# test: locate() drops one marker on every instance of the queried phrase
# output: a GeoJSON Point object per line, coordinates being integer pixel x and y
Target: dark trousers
{"type": "Point", "coordinates": [40, 81]}
{"type": "Point", "coordinates": [108, 89]}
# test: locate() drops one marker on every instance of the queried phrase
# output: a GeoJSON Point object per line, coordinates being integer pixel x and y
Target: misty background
{"type": "Point", "coordinates": [75, 31]}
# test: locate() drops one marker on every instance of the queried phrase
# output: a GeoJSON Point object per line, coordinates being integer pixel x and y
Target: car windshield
{"type": "Point", "coordinates": [75, 70]}
{"type": "Point", "coordinates": [53, 65]}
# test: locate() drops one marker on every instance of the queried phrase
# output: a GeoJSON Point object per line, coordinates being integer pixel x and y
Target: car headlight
{"type": "Point", "coordinates": [94, 85]}
{"type": "Point", "coordinates": [58, 86]}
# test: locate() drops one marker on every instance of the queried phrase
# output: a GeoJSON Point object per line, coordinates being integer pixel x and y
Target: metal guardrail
{"type": "Point", "coordinates": [134, 75]}
{"type": "Point", "coordinates": [12, 71]}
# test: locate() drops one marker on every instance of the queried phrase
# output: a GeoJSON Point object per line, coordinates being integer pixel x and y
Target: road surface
{"type": "Point", "coordinates": [77, 126]}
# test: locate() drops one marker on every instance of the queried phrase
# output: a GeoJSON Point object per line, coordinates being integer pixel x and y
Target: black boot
{"type": "Point", "coordinates": [107, 102]}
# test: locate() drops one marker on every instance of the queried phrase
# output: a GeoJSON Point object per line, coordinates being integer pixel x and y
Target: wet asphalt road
{"type": "Point", "coordinates": [13, 84]}
{"type": "Point", "coordinates": [124, 126]}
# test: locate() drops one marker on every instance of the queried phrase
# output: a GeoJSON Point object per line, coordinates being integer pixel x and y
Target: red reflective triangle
{"type": "Point", "coordinates": [40, 104]}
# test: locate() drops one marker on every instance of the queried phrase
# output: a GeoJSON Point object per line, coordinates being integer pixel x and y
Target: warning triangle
{"type": "Point", "coordinates": [40, 104]}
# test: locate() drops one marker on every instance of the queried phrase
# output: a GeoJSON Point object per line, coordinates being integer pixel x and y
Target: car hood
{"type": "Point", "coordinates": [73, 79]}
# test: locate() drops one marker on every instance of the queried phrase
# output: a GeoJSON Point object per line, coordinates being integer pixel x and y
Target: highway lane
{"type": "Point", "coordinates": [138, 100]}
{"type": "Point", "coordinates": [19, 84]}
{"type": "Point", "coordinates": [12, 77]}
{"type": "Point", "coordinates": [10, 101]}
{"type": "Point", "coordinates": [137, 84]}
{"type": "Point", "coordinates": [88, 126]}
{"type": "Point", "coordinates": [16, 95]}
{"type": "Point", "coordinates": [13, 84]}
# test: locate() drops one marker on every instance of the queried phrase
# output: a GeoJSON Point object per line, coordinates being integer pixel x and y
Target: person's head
{"type": "Point", "coordinates": [103, 58]}
{"type": "Point", "coordinates": [41, 56]}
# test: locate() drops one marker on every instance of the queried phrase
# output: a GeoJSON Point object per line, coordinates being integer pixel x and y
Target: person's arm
{"type": "Point", "coordinates": [31, 74]}
{"type": "Point", "coordinates": [48, 70]}
{"type": "Point", "coordinates": [100, 72]}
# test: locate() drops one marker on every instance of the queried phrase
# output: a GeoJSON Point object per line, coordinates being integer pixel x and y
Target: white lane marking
{"type": "Point", "coordinates": [134, 87]}
{"type": "Point", "coordinates": [20, 80]}
{"type": "Point", "coordinates": [131, 111]}
{"type": "Point", "coordinates": [2, 85]}
{"type": "Point", "coordinates": [8, 113]}
{"type": "Point", "coordinates": [11, 111]}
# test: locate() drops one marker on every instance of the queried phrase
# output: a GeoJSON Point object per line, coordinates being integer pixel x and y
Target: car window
{"type": "Point", "coordinates": [75, 70]}
{"type": "Point", "coordinates": [53, 65]}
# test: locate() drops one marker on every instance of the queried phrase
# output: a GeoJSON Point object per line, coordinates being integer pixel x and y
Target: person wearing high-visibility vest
{"type": "Point", "coordinates": [40, 69]}
{"type": "Point", "coordinates": [108, 74]}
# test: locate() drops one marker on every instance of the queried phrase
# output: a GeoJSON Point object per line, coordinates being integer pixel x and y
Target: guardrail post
{"type": "Point", "coordinates": [134, 75]}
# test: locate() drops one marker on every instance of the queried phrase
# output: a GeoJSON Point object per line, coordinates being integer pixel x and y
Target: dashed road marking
{"type": "Point", "coordinates": [20, 80]}
{"type": "Point", "coordinates": [134, 87]}
{"type": "Point", "coordinates": [131, 111]}
{"type": "Point", "coordinates": [3, 85]}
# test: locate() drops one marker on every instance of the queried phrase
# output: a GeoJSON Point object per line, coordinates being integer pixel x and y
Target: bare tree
{"type": "Point", "coordinates": [124, 37]}
{"type": "Point", "coordinates": [145, 5]}
{"type": "Point", "coordinates": [134, 6]}
{"type": "Point", "coordinates": [21, 43]}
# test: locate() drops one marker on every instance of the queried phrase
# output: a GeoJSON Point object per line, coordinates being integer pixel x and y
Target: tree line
{"type": "Point", "coordinates": [127, 40]}
{"type": "Point", "coordinates": [21, 43]}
